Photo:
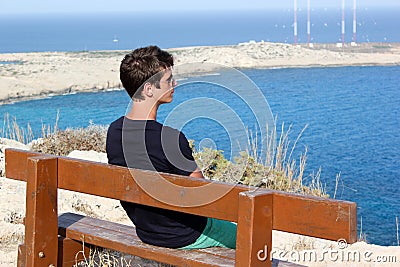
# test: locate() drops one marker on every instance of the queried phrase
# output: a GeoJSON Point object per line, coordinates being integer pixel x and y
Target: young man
{"type": "Point", "coordinates": [137, 140]}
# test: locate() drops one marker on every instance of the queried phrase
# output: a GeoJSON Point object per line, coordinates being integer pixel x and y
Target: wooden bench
{"type": "Point", "coordinates": [52, 240]}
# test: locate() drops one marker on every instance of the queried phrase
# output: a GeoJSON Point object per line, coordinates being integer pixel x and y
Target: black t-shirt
{"type": "Point", "coordinates": [149, 145]}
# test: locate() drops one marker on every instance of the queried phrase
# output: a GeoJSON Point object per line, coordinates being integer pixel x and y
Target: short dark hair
{"type": "Point", "coordinates": [141, 65]}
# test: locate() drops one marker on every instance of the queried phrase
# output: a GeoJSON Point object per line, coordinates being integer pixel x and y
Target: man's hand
{"type": "Point", "coordinates": [197, 174]}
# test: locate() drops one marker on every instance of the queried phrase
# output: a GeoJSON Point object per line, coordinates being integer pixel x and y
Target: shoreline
{"type": "Point", "coordinates": [43, 95]}
{"type": "Point", "coordinates": [48, 94]}
{"type": "Point", "coordinates": [40, 74]}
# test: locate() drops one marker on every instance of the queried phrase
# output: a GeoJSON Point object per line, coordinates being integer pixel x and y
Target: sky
{"type": "Point", "coordinates": [104, 6]}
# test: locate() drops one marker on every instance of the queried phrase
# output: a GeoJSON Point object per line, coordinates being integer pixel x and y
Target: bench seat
{"type": "Point", "coordinates": [123, 238]}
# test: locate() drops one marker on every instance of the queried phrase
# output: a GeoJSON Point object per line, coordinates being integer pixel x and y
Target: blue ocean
{"type": "Point", "coordinates": [67, 32]}
{"type": "Point", "coordinates": [352, 113]}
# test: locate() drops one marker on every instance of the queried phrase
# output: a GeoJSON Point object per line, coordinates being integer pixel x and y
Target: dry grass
{"type": "Point", "coordinates": [279, 170]}
{"type": "Point", "coordinates": [55, 141]}
{"type": "Point", "coordinates": [63, 142]}
{"type": "Point", "coordinates": [15, 217]}
{"type": "Point", "coordinates": [362, 236]}
{"type": "Point", "coordinates": [12, 228]}
{"type": "Point", "coordinates": [101, 257]}
{"type": "Point", "coordinates": [11, 130]}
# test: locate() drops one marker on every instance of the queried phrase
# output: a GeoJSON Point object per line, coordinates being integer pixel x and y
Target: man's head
{"type": "Point", "coordinates": [146, 64]}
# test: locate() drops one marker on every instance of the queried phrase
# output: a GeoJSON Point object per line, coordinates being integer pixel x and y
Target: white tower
{"type": "Point", "coordinates": [343, 23]}
{"type": "Point", "coordinates": [308, 23]}
{"type": "Point", "coordinates": [354, 23]}
{"type": "Point", "coordinates": [295, 22]}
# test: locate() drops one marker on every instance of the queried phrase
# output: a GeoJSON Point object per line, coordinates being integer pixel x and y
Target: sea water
{"type": "Point", "coordinates": [124, 31]}
{"type": "Point", "coordinates": [352, 113]}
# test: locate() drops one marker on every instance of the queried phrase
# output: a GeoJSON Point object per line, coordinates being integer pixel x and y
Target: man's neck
{"type": "Point", "coordinates": [142, 111]}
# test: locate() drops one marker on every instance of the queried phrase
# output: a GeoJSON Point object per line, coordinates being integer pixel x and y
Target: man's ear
{"type": "Point", "coordinates": [148, 90]}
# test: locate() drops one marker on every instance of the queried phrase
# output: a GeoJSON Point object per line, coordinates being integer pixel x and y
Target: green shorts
{"type": "Point", "coordinates": [218, 233]}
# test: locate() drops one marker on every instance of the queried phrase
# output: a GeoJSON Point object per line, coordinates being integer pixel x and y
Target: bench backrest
{"type": "Point", "coordinates": [306, 215]}
{"type": "Point", "coordinates": [255, 209]}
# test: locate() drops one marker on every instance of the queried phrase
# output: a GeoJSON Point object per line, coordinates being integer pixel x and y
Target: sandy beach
{"type": "Point", "coordinates": [32, 75]}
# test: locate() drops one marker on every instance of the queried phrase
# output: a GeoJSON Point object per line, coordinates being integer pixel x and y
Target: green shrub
{"type": "Point", "coordinates": [248, 171]}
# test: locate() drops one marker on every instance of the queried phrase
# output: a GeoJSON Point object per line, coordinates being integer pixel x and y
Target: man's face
{"type": "Point", "coordinates": [164, 94]}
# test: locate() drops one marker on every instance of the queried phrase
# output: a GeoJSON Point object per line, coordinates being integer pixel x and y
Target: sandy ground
{"type": "Point", "coordinates": [43, 74]}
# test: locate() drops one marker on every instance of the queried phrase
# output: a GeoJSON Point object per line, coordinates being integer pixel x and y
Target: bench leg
{"type": "Point", "coordinates": [21, 255]}
{"type": "Point", "coordinates": [41, 226]}
{"type": "Point", "coordinates": [254, 234]}
{"type": "Point", "coordinates": [71, 252]}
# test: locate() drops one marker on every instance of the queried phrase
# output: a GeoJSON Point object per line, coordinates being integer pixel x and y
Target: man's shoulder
{"type": "Point", "coordinates": [117, 123]}
{"type": "Point", "coordinates": [171, 131]}
{"type": "Point", "coordinates": [150, 125]}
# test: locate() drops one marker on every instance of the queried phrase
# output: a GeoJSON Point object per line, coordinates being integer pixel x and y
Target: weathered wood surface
{"type": "Point", "coordinates": [305, 215]}
{"type": "Point", "coordinates": [71, 252]}
{"type": "Point", "coordinates": [21, 256]}
{"type": "Point", "coordinates": [41, 239]}
{"type": "Point", "coordinates": [123, 238]}
{"type": "Point", "coordinates": [77, 227]}
{"type": "Point", "coordinates": [317, 217]}
{"type": "Point", "coordinates": [254, 232]}
{"type": "Point", "coordinates": [17, 163]}
{"type": "Point", "coordinates": [256, 210]}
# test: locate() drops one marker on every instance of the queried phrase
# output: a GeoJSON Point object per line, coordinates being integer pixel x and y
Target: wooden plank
{"type": "Point", "coordinates": [179, 193]}
{"type": "Point", "coordinates": [129, 243]}
{"type": "Point", "coordinates": [254, 234]}
{"type": "Point", "coordinates": [317, 217]}
{"type": "Point", "coordinates": [69, 218]}
{"type": "Point", "coordinates": [17, 164]}
{"type": "Point", "coordinates": [71, 252]}
{"type": "Point", "coordinates": [221, 252]}
{"type": "Point", "coordinates": [21, 256]}
{"type": "Point", "coordinates": [41, 212]}
{"type": "Point", "coordinates": [209, 199]}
